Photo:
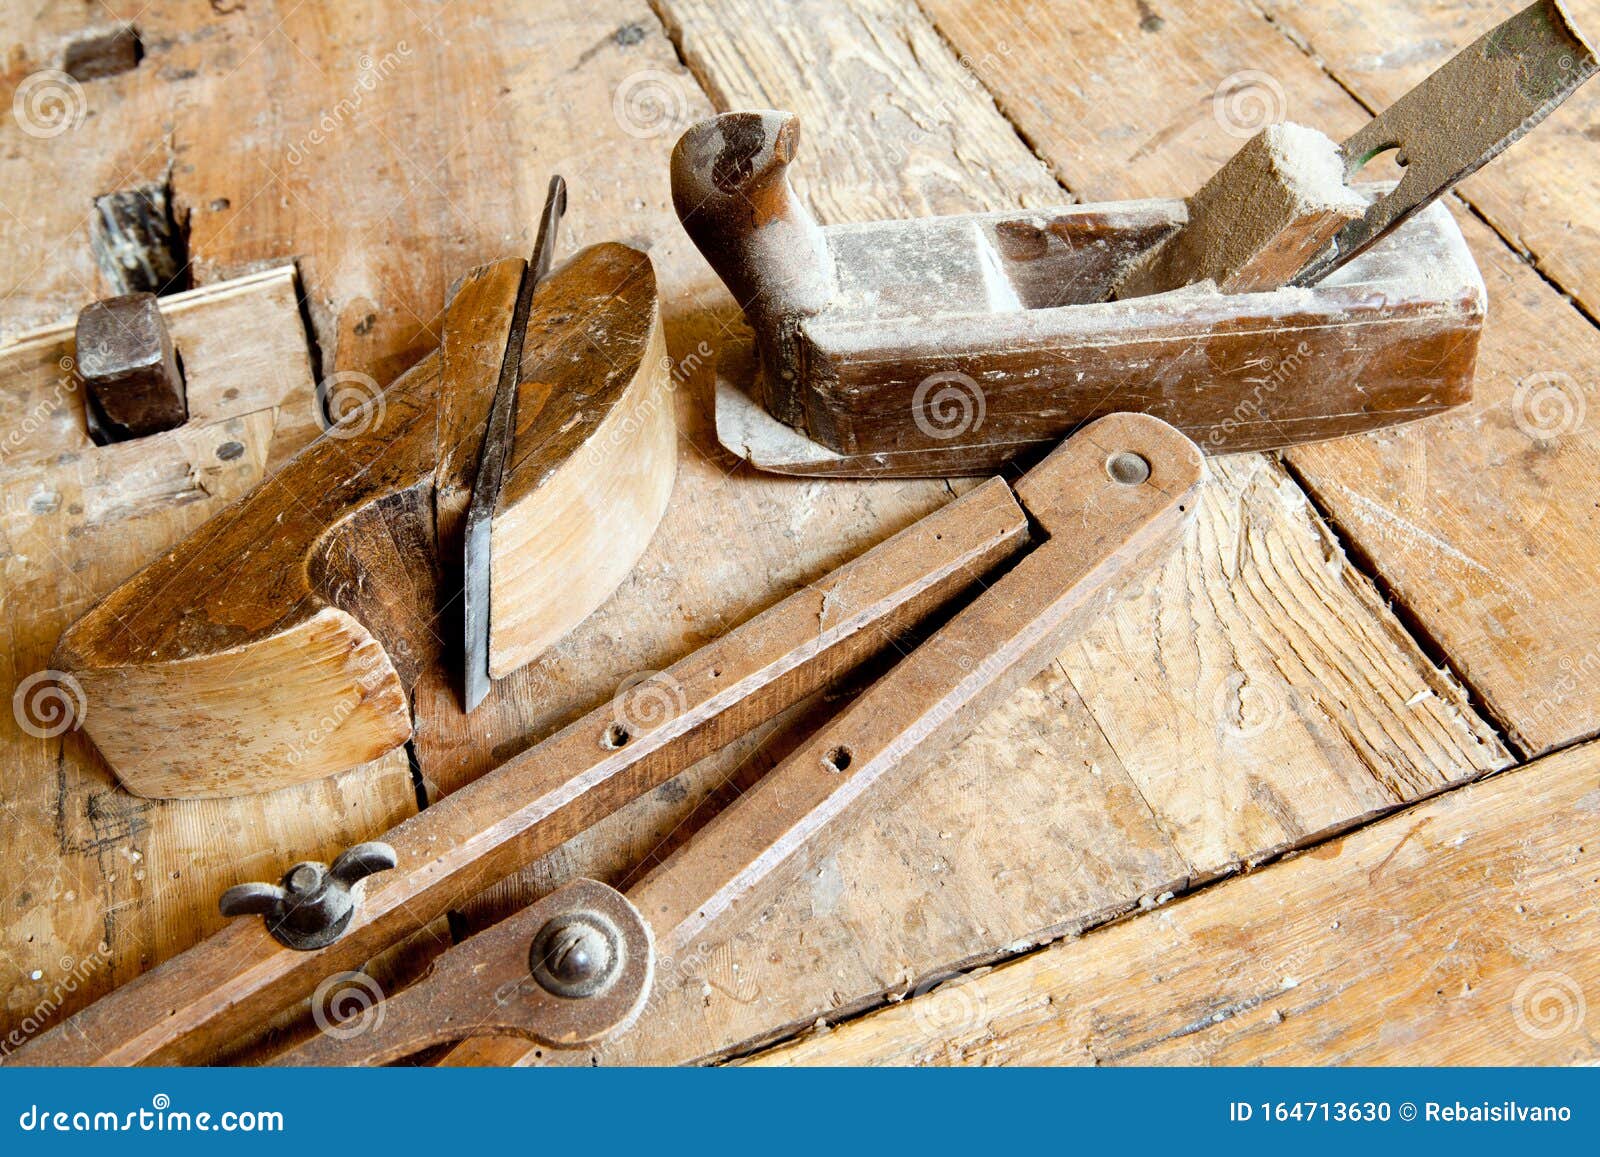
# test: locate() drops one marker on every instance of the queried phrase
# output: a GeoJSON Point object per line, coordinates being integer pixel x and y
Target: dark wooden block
{"type": "Point", "coordinates": [129, 368]}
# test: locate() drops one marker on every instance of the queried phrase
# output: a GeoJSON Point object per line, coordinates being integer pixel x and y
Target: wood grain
{"type": "Point", "coordinates": [191, 1007]}
{"type": "Point", "coordinates": [1536, 194]}
{"type": "Point", "coordinates": [403, 196]}
{"type": "Point", "coordinates": [1489, 490]}
{"type": "Point", "coordinates": [1252, 756]}
{"type": "Point", "coordinates": [282, 642]}
{"type": "Point", "coordinates": [1459, 932]}
{"type": "Point", "coordinates": [1100, 535]}
{"type": "Point", "coordinates": [593, 457]}
{"type": "Point", "coordinates": [1257, 220]}
{"type": "Point", "coordinates": [1019, 343]}
{"type": "Point", "coordinates": [226, 377]}
{"type": "Point", "coordinates": [101, 885]}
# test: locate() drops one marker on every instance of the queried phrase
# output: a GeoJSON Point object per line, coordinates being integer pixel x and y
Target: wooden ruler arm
{"type": "Point", "coordinates": [1111, 502]}
{"type": "Point", "coordinates": [1104, 533]}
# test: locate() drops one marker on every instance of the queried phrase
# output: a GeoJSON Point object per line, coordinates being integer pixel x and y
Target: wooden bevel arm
{"type": "Point", "coordinates": [190, 1008]}
{"type": "Point", "coordinates": [1111, 503]}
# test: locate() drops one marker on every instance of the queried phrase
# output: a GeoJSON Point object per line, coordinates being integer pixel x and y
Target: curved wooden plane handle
{"type": "Point", "coordinates": [730, 186]}
{"type": "Point", "coordinates": [280, 642]}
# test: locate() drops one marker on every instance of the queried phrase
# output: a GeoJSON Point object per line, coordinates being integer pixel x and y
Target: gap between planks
{"type": "Point", "coordinates": [1489, 960]}
{"type": "Point", "coordinates": [1358, 558]}
{"type": "Point", "coordinates": [775, 1044]}
{"type": "Point", "coordinates": [1430, 646]}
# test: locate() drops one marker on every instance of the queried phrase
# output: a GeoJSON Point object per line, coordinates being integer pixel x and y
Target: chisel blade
{"type": "Point", "coordinates": [1460, 118]}
{"type": "Point", "coordinates": [497, 439]}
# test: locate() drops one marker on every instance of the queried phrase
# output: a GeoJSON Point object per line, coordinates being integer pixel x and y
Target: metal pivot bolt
{"type": "Point", "coordinates": [313, 905]}
{"type": "Point", "coordinates": [576, 954]}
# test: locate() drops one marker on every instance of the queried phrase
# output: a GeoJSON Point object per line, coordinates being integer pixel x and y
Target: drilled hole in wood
{"type": "Point", "coordinates": [140, 241]}
{"type": "Point", "coordinates": [103, 52]}
{"type": "Point", "coordinates": [615, 736]}
{"type": "Point", "coordinates": [837, 759]}
{"type": "Point", "coordinates": [1128, 468]}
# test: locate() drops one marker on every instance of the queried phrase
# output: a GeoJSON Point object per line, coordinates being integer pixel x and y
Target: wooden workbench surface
{"type": "Point", "coordinates": [1350, 629]}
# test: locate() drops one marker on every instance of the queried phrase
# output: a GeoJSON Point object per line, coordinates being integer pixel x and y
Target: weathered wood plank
{"type": "Point", "coordinates": [101, 885]}
{"type": "Point", "coordinates": [1481, 521]}
{"type": "Point", "coordinates": [1460, 932]}
{"type": "Point", "coordinates": [400, 198]}
{"type": "Point", "coordinates": [338, 137]}
{"type": "Point", "coordinates": [1275, 698]}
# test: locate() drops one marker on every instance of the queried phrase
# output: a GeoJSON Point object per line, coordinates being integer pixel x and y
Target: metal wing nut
{"type": "Point", "coordinates": [314, 903]}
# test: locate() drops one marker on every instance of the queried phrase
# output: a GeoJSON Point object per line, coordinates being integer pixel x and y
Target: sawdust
{"type": "Point", "coordinates": [1258, 218]}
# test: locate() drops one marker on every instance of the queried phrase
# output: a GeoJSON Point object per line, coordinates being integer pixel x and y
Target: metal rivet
{"type": "Point", "coordinates": [576, 955]}
{"type": "Point", "coordinates": [304, 878]}
{"type": "Point", "coordinates": [1128, 468]}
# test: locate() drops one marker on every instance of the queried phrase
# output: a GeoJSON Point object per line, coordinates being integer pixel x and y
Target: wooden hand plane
{"type": "Point", "coordinates": [281, 642]}
{"type": "Point", "coordinates": [1279, 304]}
